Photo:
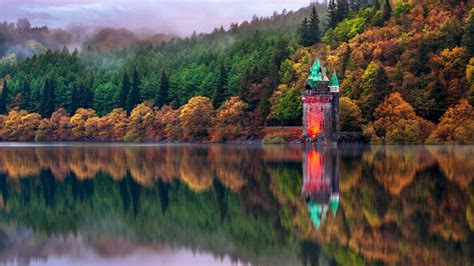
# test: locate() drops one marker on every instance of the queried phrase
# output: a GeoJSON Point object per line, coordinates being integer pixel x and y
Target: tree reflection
{"type": "Point", "coordinates": [275, 205]}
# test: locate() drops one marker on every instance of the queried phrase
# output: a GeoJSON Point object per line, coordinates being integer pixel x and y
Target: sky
{"type": "Point", "coordinates": [180, 17]}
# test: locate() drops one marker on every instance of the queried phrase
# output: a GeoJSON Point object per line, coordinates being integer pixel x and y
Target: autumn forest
{"type": "Point", "coordinates": [406, 70]}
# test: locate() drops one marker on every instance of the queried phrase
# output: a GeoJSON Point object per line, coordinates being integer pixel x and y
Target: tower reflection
{"type": "Point", "coordinates": [320, 182]}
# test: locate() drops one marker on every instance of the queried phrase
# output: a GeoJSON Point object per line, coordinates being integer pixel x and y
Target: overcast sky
{"type": "Point", "coordinates": [177, 17]}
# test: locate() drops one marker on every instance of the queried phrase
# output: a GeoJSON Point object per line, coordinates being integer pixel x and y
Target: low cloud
{"type": "Point", "coordinates": [180, 17]}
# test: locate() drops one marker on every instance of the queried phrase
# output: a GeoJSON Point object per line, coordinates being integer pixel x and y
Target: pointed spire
{"type": "Point", "coordinates": [334, 80]}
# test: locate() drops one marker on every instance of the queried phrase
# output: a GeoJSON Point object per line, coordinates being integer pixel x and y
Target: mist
{"type": "Point", "coordinates": [179, 18]}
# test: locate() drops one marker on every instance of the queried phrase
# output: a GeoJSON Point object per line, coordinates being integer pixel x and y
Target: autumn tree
{"type": "Point", "coordinates": [229, 120]}
{"type": "Point", "coordinates": [196, 117]}
{"type": "Point", "coordinates": [397, 122]}
{"type": "Point", "coordinates": [140, 117]}
{"type": "Point", "coordinates": [374, 87]}
{"type": "Point", "coordinates": [20, 125]}
{"type": "Point", "coordinates": [350, 115]}
{"type": "Point", "coordinates": [61, 127]}
{"type": "Point", "coordinates": [113, 126]}
{"type": "Point", "coordinates": [78, 123]}
{"type": "Point", "coordinates": [171, 118]}
{"type": "Point", "coordinates": [456, 125]}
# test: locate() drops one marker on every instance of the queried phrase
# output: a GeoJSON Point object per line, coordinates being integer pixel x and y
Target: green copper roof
{"type": "Point", "coordinates": [317, 212]}
{"type": "Point", "coordinates": [317, 73]}
{"type": "Point", "coordinates": [334, 204]}
{"type": "Point", "coordinates": [334, 80]}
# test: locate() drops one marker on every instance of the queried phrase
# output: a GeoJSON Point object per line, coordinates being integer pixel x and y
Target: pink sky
{"type": "Point", "coordinates": [178, 17]}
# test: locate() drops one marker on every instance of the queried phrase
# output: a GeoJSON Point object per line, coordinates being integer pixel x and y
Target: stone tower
{"type": "Point", "coordinates": [321, 106]}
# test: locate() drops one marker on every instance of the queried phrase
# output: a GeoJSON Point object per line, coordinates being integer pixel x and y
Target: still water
{"type": "Point", "coordinates": [232, 204]}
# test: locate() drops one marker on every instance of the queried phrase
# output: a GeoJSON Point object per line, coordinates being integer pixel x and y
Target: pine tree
{"type": "Point", "coordinates": [314, 34]}
{"type": "Point", "coordinates": [25, 95]}
{"type": "Point", "coordinates": [47, 104]}
{"type": "Point", "coordinates": [87, 96]}
{"type": "Point", "coordinates": [303, 33]}
{"type": "Point", "coordinates": [4, 98]}
{"type": "Point", "coordinates": [342, 10]}
{"type": "Point", "coordinates": [219, 92]}
{"type": "Point", "coordinates": [376, 4]}
{"type": "Point", "coordinates": [438, 94]}
{"type": "Point", "coordinates": [134, 93]}
{"type": "Point", "coordinates": [75, 103]}
{"type": "Point", "coordinates": [162, 96]}
{"type": "Point", "coordinates": [124, 90]}
{"type": "Point", "coordinates": [387, 10]}
{"type": "Point", "coordinates": [355, 5]}
{"type": "Point", "coordinates": [468, 37]}
{"type": "Point", "coordinates": [332, 14]}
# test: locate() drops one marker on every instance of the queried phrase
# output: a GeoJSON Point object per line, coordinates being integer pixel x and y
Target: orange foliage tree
{"type": "Point", "coordinates": [456, 125]}
{"type": "Point", "coordinates": [397, 122]}
{"type": "Point", "coordinates": [229, 120]}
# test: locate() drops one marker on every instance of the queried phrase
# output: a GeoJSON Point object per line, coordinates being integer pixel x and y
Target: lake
{"type": "Point", "coordinates": [186, 204]}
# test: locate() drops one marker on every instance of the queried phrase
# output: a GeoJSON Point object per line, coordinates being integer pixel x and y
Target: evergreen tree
{"type": "Point", "coordinates": [468, 38]}
{"type": "Point", "coordinates": [303, 33]}
{"type": "Point", "coordinates": [420, 65]}
{"type": "Point", "coordinates": [25, 95]}
{"type": "Point", "coordinates": [124, 90]}
{"type": "Point", "coordinates": [375, 86]}
{"type": "Point", "coordinates": [219, 92]}
{"type": "Point", "coordinates": [355, 5]}
{"type": "Point", "coordinates": [450, 33]}
{"type": "Point", "coordinates": [134, 93]}
{"type": "Point", "coordinates": [4, 98]}
{"type": "Point", "coordinates": [47, 104]}
{"type": "Point", "coordinates": [332, 14]}
{"type": "Point", "coordinates": [439, 94]}
{"type": "Point", "coordinates": [314, 34]}
{"type": "Point", "coordinates": [87, 96]}
{"type": "Point", "coordinates": [75, 102]}
{"type": "Point", "coordinates": [376, 4]}
{"type": "Point", "coordinates": [387, 10]}
{"type": "Point", "coordinates": [162, 96]}
{"type": "Point", "coordinates": [342, 10]}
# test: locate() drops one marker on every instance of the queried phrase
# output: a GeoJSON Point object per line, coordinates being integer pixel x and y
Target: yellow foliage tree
{"type": "Point", "coordinates": [196, 117]}
{"type": "Point", "coordinates": [350, 115]}
{"type": "Point", "coordinates": [456, 125]}
{"type": "Point", "coordinates": [78, 123]}
{"type": "Point", "coordinates": [229, 120]}
{"type": "Point", "coordinates": [140, 117]}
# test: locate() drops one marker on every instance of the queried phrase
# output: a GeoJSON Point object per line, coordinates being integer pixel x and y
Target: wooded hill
{"type": "Point", "coordinates": [419, 50]}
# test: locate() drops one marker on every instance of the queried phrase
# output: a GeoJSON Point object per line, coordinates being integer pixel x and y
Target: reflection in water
{"type": "Point", "coordinates": [402, 205]}
{"type": "Point", "coordinates": [321, 183]}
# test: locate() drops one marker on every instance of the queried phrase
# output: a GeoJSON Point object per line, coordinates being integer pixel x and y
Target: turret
{"type": "Point", "coordinates": [334, 83]}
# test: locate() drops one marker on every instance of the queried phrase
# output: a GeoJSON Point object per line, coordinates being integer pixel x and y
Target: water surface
{"type": "Point", "coordinates": [79, 204]}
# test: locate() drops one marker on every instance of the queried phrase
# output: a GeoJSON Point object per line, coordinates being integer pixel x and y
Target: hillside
{"type": "Point", "coordinates": [405, 70]}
